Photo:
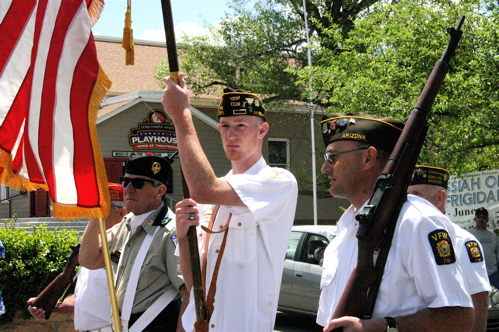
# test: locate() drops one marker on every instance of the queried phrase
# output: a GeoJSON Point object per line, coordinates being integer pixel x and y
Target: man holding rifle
{"type": "Point", "coordinates": [422, 288]}
{"type": "Point", "coordinates": [90, 302]}
{"type": "Point", "coordinates": [430, 183]}
{"type": "Point", "coordinates": [247, 215]}
{"type": "Point", "coordinates": [147, 275]}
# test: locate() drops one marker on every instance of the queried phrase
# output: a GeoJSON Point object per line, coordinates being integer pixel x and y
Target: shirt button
{"type": "Point", "coordinates": [217, 251]}
{"type": "Point", "coordinates": [200, 234]}
{"type": "Point", "coordinates": [212, 326]}
{"type": "Point", "coordinates": [239, 224]}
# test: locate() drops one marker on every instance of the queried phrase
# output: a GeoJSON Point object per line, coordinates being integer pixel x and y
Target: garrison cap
{"type": "Point", "coordinates": [154, 167]}
{"type": "Point", "coordinates": [430, 175]}
{"type": "Point", "coordinates": [482, 212]}
{"type": "Point", "coordinates": [382, 133]}
{"type": "Point", "coordinates": [116, 194]}
{"type": "Point", "coordinates": [238, 102]}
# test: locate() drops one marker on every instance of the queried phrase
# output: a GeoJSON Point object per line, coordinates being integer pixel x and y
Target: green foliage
{"type": "Point", "coordinates": [367, 56]}
{"type": "Point", "coordinates": [386, 60]}
{"type": "Point", "coordinates": [32, 261]}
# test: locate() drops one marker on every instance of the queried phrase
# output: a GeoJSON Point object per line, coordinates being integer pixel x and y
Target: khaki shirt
{"type": "Point", "coordinates": [161, 268]}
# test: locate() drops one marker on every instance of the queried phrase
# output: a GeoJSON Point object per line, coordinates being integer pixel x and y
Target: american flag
{"type": "Point", "coordinates": [51, 87]}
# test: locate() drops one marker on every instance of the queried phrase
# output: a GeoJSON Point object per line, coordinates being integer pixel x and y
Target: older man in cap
{"type": "Point", "coordinates": [142, 247]}
{"type": "Point", "coordinates": [90, 302]}
{"type": "Point", "coordinates": [421, 290]}
{"type": "Point", "coordinates": [490, 244]}
{"type": "Point", "coordinates": [246, 216]}
{"type": "Point", "coordinates": [431, 183]}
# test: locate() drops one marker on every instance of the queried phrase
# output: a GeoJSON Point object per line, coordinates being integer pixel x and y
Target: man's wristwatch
{"type": "Point", "coordinates": [391, 325]}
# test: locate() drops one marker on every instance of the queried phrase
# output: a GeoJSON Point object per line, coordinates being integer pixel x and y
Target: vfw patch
{"type": "Point", "coordinates": [474, 252]}
{"type": "Point", "coordinates": [441, 244]}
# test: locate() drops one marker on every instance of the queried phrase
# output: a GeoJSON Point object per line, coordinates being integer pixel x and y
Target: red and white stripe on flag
{"type": "Point", "coordinates": [51, 87]}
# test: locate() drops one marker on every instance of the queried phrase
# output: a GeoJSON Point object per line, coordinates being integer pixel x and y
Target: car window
{"type": "Point", "coordinates": [294, 239]}
{"type": "Point", "coordinates": [314, 249]}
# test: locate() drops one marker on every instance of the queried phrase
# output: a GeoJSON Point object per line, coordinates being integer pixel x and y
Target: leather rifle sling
{"type": "Point", "coordinates": [210, 297]}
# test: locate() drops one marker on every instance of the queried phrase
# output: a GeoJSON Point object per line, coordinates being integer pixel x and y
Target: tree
{"type": "Point", "coordinates": [387, 59]}
{"type": "Point", "coordinates": [368, 56]}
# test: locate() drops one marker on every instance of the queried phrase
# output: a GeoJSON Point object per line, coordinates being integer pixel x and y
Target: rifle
{"type": "Point", "coordinates": [197, 280]}
{"type": "Point", "coordinates": [48, 298]}
{"type": "Point", "coordinates": [378, 219]}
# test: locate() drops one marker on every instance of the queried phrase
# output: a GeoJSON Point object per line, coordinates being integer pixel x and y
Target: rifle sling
{"type": "Point", "coordinates": [210, 297]}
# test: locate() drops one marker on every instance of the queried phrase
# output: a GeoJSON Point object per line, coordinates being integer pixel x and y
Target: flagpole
{"type": "Point", "coordinates": [312, 117]}
{"type": "Point", "coordinates": [109, 275]}
{"type": "Point", "coordinates": [197, 280]}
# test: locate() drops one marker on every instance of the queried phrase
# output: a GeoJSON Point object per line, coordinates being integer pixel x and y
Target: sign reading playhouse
{"type": "Point", "coordinates": [156, 132]}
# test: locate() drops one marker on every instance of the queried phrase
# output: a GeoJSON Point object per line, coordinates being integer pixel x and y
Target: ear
{"type": "Point", "coordinates": [370, 156]}
{"type": "Point", "coordinates": [161, 190]}
{"type": "Point", "coordinates": [264, 129]}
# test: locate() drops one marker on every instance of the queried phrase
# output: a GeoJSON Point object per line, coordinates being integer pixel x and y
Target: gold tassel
{"type": "Point", "coordinates": [127, 42]}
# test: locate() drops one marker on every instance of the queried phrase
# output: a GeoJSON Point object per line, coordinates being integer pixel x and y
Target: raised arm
{"type": "Point", "coordinates": [204, 185]}
{"type": "Point", "coordinates": [90, 255]}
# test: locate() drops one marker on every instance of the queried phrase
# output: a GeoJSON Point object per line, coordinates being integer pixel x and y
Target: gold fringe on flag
{"type": "Point", "coordinates": [94, 10]}
{"type": "Point", "coordinates": [127, 42]}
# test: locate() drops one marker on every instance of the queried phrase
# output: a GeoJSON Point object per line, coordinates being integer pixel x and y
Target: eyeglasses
{"type": "Point", "coordinates": [329, 156]}
{"type": "Point", "coordinates": [137, 183]}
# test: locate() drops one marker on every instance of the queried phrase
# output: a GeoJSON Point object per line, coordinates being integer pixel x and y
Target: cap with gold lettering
{"type": "Point", "coordinates": [116, 194]}
{"type": "Point", "coordinates": [382, 133]}
{"type": "Point", "coordinates": [238, 102]}
{"type": "Point", "coordinates": [151, 166]}
{"type": "Point", "coordinates": [430, 175]}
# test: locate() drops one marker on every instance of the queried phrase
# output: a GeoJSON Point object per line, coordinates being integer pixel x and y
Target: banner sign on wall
{"type": "Point", "coordinates": [156, 132]}
{"type": "Point", "coordinates": [471, 191]}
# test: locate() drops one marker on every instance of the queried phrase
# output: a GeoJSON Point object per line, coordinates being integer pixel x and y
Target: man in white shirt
{"type": "Point", "coordinates": [253, 206]}
{"type": "Point", "coordinates": [430, 183]}
{"type": "Point", "coordinates": [90, 303]}
{"type": "Point", "coordinates": [422, 287]}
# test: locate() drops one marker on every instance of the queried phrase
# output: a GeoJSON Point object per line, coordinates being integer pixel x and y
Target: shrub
{"type": "Point", "coordinates": [32, 261]}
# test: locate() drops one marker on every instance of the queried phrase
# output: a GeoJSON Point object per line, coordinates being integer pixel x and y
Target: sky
{"type": "Point", "coordinates": [189, 16]}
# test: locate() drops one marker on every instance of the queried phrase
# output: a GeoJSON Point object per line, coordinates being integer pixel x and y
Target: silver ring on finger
{"type": "Point", "coordinates": [191, 216]}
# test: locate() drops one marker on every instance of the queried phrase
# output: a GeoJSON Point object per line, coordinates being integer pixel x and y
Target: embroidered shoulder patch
{"type": "Point", "coordinates": [441, 244]}
{"type": "Point", "coordinates": [474, 252]}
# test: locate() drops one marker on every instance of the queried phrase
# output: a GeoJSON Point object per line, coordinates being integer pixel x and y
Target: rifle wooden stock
{"type": "Point", "coordinates": [48, 298]}
{"type": "Point", "coordinates": [197, 280]}
{"type": "Point", "coordinates": [379, 217]}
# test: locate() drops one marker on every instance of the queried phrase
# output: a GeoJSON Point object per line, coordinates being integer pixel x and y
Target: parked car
{"type": "Point", "coordinates": [300, 286]}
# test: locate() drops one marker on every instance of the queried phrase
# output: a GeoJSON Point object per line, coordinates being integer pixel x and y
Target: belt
{"type": "Point", "coordinates": [103, 329]}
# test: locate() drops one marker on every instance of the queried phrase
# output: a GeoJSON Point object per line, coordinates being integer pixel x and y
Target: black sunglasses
{"type": "Point", "coordinates": [137, 183]}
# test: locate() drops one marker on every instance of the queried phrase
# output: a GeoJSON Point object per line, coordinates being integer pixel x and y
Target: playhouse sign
{"type": "Point", "coordinates": [156, 132]}
{"type": "Point", "coordinates": [470, 191]}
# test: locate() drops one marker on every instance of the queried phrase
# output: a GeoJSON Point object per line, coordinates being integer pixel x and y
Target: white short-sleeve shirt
{"type": "Point", "coordinates": [92, 305]}
{"type": "Point", "coordinates": [251, 269]}
{"type": "Point", "coordinates": [416, 275]}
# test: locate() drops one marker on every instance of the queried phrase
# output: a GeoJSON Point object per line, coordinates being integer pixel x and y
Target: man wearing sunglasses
{"type": "Point", "coordinates": [142, 247]}
{"type": "Point", "coordinates": [247, 215]}
{"type": "Point", "coordinates": [422, 287]}
{"type": "Point", "coordinates": [90, 301]}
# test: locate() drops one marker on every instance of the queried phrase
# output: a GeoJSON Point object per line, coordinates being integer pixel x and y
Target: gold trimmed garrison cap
{"type": "Point", "coordinates": [238, 102]}
{"type": "Point", "coordinates": [430, 175]}
{"type": "Point", "coordinates": [382, 133]}
{"type": "Point", "coordinates": [153, 167]}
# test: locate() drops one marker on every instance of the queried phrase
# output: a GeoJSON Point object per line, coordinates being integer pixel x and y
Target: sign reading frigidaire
{"type": "Point", "coordinates": [471, 191]}
{"type": "Point", "coordinates": [156, 132]}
